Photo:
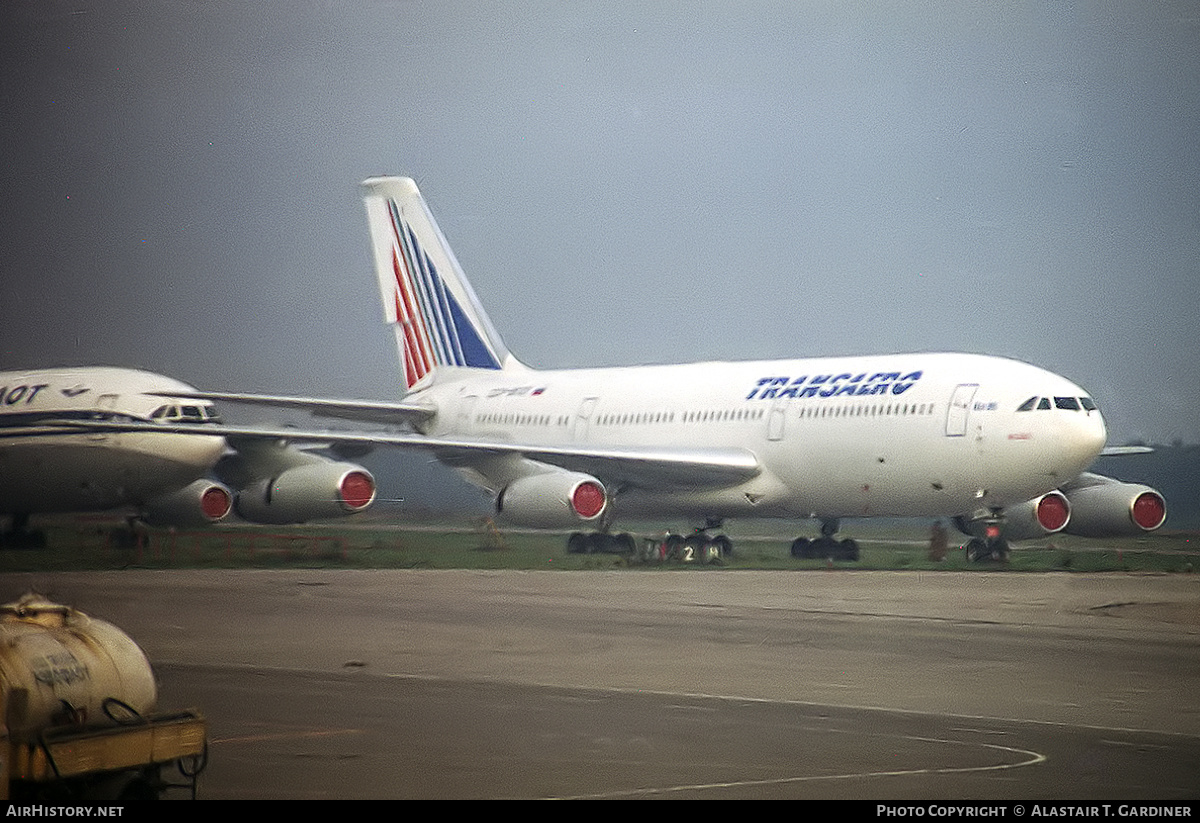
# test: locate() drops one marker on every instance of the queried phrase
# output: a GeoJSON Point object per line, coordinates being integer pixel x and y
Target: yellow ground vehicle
{"type": "Point", "coordinates": [77, 712]}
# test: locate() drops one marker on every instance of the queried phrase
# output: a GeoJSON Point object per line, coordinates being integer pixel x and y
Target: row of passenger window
{"type": "Point", "coordinates": [1068, 403]}
{"type": "Point", "coordinates": [714, 415]}
{"type": "Point", "coordinates": [513, 419]}
{"type": "Point", "coordinates": [626, 419]}
{"type": "Point", "coordinates": [701, 416]}
{"type": "Point", "coordinates": [868, 410]}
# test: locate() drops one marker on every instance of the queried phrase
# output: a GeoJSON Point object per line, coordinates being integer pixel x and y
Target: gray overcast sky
{"type": "Point", "coordinates": [623, 182]}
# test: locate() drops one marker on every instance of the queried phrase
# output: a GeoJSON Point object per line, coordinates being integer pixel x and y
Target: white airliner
{"type": "Point", "coordinates": [999, 445]}
{"type": "Point", "coordinates": [48, 465]}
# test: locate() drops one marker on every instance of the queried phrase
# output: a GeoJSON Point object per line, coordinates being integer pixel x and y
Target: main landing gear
{"type": "Point", "coordinates": [601, 543]}
{"type": "Point", "coordinates": [697, 547]}
{"type": "Point", "coordinates": [825, 546]}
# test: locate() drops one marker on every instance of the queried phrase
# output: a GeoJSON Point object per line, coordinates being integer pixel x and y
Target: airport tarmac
{"type": "Point", "coordinates": [671, 683]}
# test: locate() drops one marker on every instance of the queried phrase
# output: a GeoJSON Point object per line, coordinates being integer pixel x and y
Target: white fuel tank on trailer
{"type": "Point", "coordinates": [59, 667]}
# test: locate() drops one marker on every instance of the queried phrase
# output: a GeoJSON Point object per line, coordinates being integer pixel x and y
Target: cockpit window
{"type": "Point", "coordinates": [186, 414]}
{"type": "Point", "coordinates": [1068, 403]}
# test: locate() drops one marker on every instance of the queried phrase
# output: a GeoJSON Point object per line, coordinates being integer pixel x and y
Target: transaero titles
{"type": "Point", "coordinates": [834, 385]}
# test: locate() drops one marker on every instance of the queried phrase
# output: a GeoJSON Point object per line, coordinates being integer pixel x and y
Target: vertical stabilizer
{"type": "Point", "coordinates": [439, 321]}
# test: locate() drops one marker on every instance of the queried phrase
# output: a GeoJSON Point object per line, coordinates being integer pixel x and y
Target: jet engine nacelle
{"type": "Point", "coordinates": [1103, 507]}
{"type": "Point", "coordinates": [553, 500]}
{"type": "Point", "coordinates": [201, 503]}
{"type": "Point", "coordinates": [307, 492]}
{"type": "Point", "coordinates": [1047, 514]}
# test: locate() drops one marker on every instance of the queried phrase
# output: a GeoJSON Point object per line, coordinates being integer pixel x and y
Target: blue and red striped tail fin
{"type": "Point", "coordinates": [439, 321]}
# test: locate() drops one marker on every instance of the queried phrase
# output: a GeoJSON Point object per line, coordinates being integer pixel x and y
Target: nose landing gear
{"type": "Point", "coordinates": [991, 546]}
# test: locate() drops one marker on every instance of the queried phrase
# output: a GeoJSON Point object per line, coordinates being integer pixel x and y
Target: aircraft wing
{"type": "Point", "coordinates": [361, 410]}
{"type": "Point", "coordinates": [690, 467]}
{"type": "Point", "coordinates": [1120, 451]}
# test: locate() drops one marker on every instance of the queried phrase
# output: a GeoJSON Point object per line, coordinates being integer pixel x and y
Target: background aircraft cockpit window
{"type": "Point", "coordinates": [1068, 403]}
{"type": "Point", "coordinates": [1044, 404]}
{"type": "Point", "coordinates": [186, 414]}
{"type": "Point", "coordinates": [1028, 404]}
{"type": "Point", "coordinates": [1088, 403]}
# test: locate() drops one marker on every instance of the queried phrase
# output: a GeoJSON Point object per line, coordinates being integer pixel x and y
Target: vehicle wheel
{"type": "Point", "coordinates": [801, 548]}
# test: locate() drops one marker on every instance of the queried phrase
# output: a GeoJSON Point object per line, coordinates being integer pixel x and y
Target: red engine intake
{"type": "Point", "coordinates": [1149, 510]}
{"type": "Point", "coordinates": [1053, 512]}
{"type": "Point", "coordinates": [357, 490]}
{"type": "Point", "coordinates": [588, 499]}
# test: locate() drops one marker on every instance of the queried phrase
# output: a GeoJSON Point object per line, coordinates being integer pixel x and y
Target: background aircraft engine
{"type": "Point", "coordinates": [308, 492]}
{"type": "Point", "coordinates": [553, 500]}
{"type": "Point", "coordinates": [1103, 507]}
{"type": "Point", "coordinates": [200, 504]}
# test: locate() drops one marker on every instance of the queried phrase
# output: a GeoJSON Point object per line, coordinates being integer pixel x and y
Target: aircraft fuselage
{"type": "Point", "coordinates": [889, 435]}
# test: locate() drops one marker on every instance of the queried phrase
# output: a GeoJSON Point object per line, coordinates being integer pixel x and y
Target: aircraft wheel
{"type": "Point", "coordinates": [724, 545]}
{"type": "Point", "coordinates": [674, 547]}
{"type": "Point", "coordinates": [998, 549]}
{"type": "Point", "coordinates": [825, 547]}
{"type": "Point", "coordinates": [849, 549]}
{"type": "Point", "coordinates": [577, 543]}
{"type": "Point", "coordinates": [801, 548]}
{"type": "Point", "coordinates": [652, 550]}
{"type": "Point", "coordinates": [694, 548]}
{"type": "Point", "coordinates": [624, 543]}
{"type": "Point", "coordinates": [977, 550]}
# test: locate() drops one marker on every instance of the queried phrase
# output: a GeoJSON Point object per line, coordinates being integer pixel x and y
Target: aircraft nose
{"type": "Point", "coordinates": [1087, 437]}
